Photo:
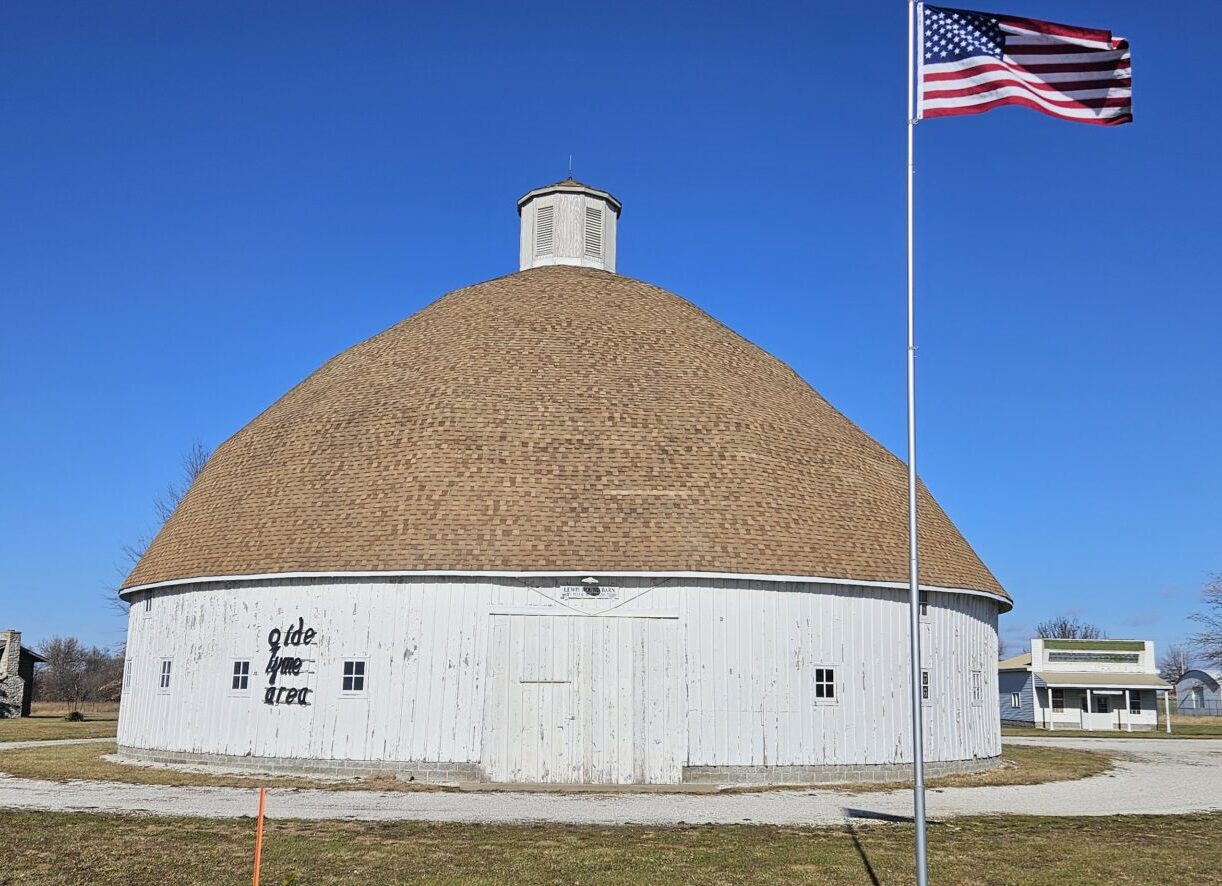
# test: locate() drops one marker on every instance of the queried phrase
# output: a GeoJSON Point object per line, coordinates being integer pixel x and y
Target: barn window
{"type": "Point", "coordinates": [1135, 703]}
{"type": "Point", "coordinates": [241, 676]}
{"type": "Point", "coordinates": [163, 680]}
{"type": "Point", "coordinates": [924, 605]}
{"type": "Point", "coordinates": [148, 602]}
{"type": "Point", "coordinates": [825, 684]}
{"type": "Point", "coordinates": [354, 676]}
{"type": "Point", "coordinates": [544, 229]}
{"type": "Point", "coordinates": [594, 232]}
{"type": "Point", "coordinates": [127, 674]}
{"type": "Point", "coordinates": [1058, 700]}
{"type": "Point", "coordinates": [1016, 700]}
{"type": "Point", "coordinates": [977, 687]}
{"type": "Point", "coordinates": [924, 685]}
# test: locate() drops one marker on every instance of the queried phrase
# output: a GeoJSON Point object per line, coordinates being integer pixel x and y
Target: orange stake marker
{"type": "Point", "coordinates": [259, 835]}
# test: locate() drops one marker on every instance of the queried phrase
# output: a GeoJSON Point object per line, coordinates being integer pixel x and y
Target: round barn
{"type": "Point", "coordinates": [561, 526]}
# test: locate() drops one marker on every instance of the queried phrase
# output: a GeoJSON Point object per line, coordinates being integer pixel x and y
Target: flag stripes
{"type": "Point", "coordinates": [971, 62]}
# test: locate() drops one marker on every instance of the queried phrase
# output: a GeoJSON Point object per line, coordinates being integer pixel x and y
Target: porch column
{"type": "Point", "coordinates": [1051, 711]}
{"type": "Point", "coordinates": [1128, 710]}
{"type": "Point", "coordinates": [1087, 713]}
{"type": "Point", "coordinates": [1167, 705]}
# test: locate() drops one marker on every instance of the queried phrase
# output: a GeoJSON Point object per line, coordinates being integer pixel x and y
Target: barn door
{"type": "Point", "coordinates": [583, 699]}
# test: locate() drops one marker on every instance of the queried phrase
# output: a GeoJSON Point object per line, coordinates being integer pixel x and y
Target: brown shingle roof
{"type": "Point", "coordinates": [560, 418]}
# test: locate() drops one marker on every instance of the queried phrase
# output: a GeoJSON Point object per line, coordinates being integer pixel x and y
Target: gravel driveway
{"type": "Point", "coordinates": [1157, 776]}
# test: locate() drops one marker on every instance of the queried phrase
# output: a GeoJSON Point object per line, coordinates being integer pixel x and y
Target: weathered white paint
{"type": "Point", "coordinates": [569, 206]}
{"type": "Point", "coordinates": [672, 673]}
{"type": "Point", "coordinates": [584, 700]}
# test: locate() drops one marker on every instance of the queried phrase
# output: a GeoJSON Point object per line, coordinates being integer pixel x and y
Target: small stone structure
{"type": "Point", "coordinates": [16, 675]}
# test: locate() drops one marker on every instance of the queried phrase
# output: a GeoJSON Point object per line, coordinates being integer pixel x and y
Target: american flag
{"type": "Point", "coordinates": [971, 62]}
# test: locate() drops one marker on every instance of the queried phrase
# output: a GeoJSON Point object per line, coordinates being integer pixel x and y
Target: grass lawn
{"type": "Point", "coordinates": [1021, 765]}
{"type": "Point", "coordinates": [45, 727]}
{"type": "Point", "coordinates": [1181, 727]}
{"type": "Point", "coordinates": [77, 848]}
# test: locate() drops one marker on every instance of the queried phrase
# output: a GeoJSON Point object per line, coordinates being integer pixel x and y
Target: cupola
{"type": "Point", "coordinates": [568, 223]}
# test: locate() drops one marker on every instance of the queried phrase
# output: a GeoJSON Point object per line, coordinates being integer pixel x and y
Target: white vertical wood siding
{"type": "Point", "coordinates": [568, 232]}
{"type": "Point", "coordinates": [671, 673]}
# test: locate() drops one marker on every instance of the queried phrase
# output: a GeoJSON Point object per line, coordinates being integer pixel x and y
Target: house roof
{"type": "Point", "coordinates": [1215, 676]}
{"type": "Point", "coordinates": [25, 650]}
{"type": "Point", "coordinates": [1015, 662]}
{"type": "Point", "coordinates": [1114, 680]}
{"type": "Point", "coordinates": [556, 419]}
{"type": "Point", "coordinates": [569, 184]}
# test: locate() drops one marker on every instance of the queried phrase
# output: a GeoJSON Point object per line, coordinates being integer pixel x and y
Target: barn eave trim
{"type": "Point", "coordinates": [1005, 603]}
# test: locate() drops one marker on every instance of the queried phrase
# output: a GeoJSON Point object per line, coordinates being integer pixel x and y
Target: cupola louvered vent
{"type": "Point", "coordinates": [544, 223]}
{"type": "Point", "coordinates": [594, 232]}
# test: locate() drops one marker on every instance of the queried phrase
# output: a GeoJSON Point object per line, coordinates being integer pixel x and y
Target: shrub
{"type": "Point", "coordinates": [74, 716]}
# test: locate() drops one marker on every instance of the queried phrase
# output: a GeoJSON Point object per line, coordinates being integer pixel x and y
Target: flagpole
{"type": "Point", "coordinates": [914, 589]}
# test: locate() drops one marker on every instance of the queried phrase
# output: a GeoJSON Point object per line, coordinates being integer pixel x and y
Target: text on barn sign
{"type": "Point", "coordinates": [279, 665]}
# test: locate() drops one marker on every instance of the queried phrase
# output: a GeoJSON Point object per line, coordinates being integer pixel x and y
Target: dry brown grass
{"type": "Point", "coordinates": [75, 848]}
{"type": "Point", "coordinates": [1020, 765]}
{"type": "Point", "coordinates": [48, 727]}
{"type": "Point", "coordinates": [88, 762]}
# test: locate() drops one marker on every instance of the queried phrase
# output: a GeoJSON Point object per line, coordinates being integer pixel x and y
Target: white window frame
{"type": "Point", "coordinates": [977, 687]}
{"type": "Point", "coordinates": [147, 608]}
{"type": "Point", "coordinates": [924, 606]}
{"type": "Point", "coordinates": [234, 674]}
{"type": "Point", "coordinates": [828, 672]}
{"type": "Point", "coordinates": [1135, 702]}
{"type": "Point", "coordinates": [1016, 699]}
{"type": "Point", "coordinates": [127, 674]}
{"type": "Point", "coordinates": [926, 687]}
{"type": "Point", "coordinates": [165, 676]}
{"type": "Point", "coordinates": [363, 675]}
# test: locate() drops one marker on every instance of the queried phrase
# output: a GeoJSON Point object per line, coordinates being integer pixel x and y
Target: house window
{"type": "Point", "coordinates": [163, 679]}
{"type": "Point", "coordinates": [1016, 700]}
{"type": "Point", "coordinates": [977, 687]}
{"type": "Point", "coordinates": [1104, 704]}
{"type": "Point", "coordinates": [1058, 700]}
{"type": "Point", "coordinates": [1135, 703]}
{"type": "Point", "coordinates": [241, 676]}
{"type": "Point", "coordinates": [925, 686]}
{"type": "Point", "coordinates": [825, 684]}
{"type": "Point", "coordinates": [354, 676]}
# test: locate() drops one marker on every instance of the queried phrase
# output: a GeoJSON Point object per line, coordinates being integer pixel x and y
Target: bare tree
{"type": "Point", "coordinates": [1209, 640]}
{"type": "Point", "coordinates": [1175, 662]}
{"type": "Point", "coordinates": [165, 502]}
{"type": "Point", "coordinates": [1066, 627]}
{"type": "Point", "coordinates": [74, 673]}
{"type": "Point", "coordinates": [163, 506]}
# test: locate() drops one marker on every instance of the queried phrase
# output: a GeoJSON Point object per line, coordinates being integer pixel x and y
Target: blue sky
{"type": "Point", "coordinates": [203, 202]}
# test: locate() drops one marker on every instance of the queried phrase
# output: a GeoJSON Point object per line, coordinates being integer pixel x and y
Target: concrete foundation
{"type": "Point", "coordinates": [453, 773]}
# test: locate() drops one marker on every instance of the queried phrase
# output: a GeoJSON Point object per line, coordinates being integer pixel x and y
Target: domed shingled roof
{"type": "Point", "coordinates": [557, 419]}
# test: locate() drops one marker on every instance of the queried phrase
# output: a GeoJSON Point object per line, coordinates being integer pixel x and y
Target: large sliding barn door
{"type": "Point", "coordinates": [584, 699]}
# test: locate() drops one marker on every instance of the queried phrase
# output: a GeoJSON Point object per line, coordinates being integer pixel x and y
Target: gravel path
{"type": "Point", "coordinates": [1157, 776]}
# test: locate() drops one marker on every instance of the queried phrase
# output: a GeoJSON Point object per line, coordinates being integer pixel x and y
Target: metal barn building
{"type": "Point", "coordinates": [561, 526]}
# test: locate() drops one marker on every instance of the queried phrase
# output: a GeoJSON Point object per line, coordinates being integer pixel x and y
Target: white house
{"type": "Point", "coordinates": [560, 526]}
{"type": "Point", "coordinates": [1199, 692]}
{"type": "Point", "coordinates": [1082, 684]}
